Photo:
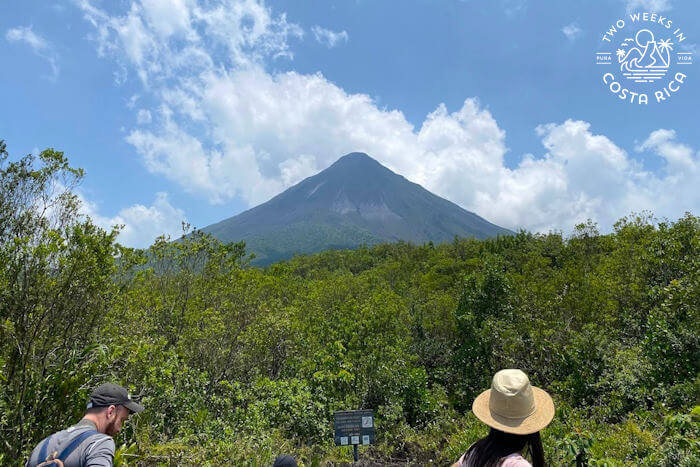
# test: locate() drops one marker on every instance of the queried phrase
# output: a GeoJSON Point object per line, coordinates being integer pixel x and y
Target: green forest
{"type": "Point", "coordinates": [236, 364]}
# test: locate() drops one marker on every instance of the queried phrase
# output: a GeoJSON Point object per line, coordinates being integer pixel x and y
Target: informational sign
{"type": "Point", "coordinates": [354, 427]}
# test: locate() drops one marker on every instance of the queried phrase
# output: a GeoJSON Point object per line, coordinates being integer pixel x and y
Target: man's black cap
{"type": "Point", "coordinates": [111, 394]}
{"type": "Point", "coordinates": [285, 460]}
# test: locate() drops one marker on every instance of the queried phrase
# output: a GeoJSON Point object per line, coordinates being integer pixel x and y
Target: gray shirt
{"type": "Point", "coordinates": [95, 451]}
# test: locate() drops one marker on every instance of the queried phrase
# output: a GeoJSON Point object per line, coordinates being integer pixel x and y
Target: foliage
{"type": "Point", "coordinates": [236, 363]}
{"type": "Point", "coordinates": [55, 284]}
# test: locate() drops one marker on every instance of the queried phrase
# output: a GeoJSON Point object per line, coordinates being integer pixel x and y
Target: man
{"type": "Point", "coordinates": [89, 442]}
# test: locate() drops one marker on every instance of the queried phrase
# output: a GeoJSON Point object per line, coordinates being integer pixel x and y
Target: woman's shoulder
{"type": "Point", "coordinates": [514, 460]}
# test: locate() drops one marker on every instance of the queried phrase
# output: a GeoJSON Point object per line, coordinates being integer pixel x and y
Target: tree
{"type": "Point", "coordinates": [485, 299]}
{"type": "Point", "coordinates": [55, 284]}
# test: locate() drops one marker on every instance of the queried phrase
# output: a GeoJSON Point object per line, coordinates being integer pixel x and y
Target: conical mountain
{"type": "Point", "coordinates": [354, 201]}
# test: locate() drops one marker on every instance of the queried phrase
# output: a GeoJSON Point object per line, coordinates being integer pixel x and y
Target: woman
{"type": "Point", "coordinates": [516, 412]}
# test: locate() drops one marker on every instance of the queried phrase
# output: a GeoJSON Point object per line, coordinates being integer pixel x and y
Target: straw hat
{"type": "Point", "coordinates": [512, 405]}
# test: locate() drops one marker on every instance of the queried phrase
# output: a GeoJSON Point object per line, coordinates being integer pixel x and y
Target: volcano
{"type": "Point", "coordinates": [353, 202]}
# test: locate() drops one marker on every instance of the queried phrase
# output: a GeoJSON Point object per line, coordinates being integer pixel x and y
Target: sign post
{"type": "Point", "coordinates": [354, 427]}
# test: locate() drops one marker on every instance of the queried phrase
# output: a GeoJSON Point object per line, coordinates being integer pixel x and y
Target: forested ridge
{"type": "Point", "coordinates": [236, 364]}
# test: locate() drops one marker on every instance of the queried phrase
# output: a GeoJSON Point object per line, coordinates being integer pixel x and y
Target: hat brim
{"type": "Point", "coordinates": [540, 418]}
{"type": "Point", "coordinates": [133, 406]}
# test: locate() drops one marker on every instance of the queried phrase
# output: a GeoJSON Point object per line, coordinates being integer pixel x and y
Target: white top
{"type": "Point", "coordinates": [511, 460]}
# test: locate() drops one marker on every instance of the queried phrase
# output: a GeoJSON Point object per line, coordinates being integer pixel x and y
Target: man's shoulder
{"type": "Point", "coordinates": [99, 450]}
{"type": "Point", "coordinates": [100, 441]}
{"type": "Point", "coordinates": [95, 445]}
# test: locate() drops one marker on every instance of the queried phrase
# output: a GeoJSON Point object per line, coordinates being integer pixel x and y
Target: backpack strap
{"type": "Point", "coordinates": [75, 443]}
{"type": "Point", "coordinates": [44, 449]}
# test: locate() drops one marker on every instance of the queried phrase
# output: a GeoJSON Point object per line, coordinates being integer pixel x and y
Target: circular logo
{"type": "Point", "coordinates": [643, 58]}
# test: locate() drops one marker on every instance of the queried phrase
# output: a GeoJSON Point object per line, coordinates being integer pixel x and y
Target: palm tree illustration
{"type": "Point", "coordinates": [663, 47]}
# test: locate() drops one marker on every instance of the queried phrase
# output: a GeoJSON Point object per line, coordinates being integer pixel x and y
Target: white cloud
{"type": "Point", "coordinates": [131, 103]}
{"type": "Point", "coordinates": [681, 160]}
{"type": "Point", "coordinates": [170, 17]}
{"type": "Point", "coordinates": [648, 5]}
{"type": "Point", "coordinates": [143, 117]}
{"type": "Point", "coordinates": [227, 128]}
{"type": "Point", "coordinates": [161, 39]}
{"type": "Point", "coordinates": [584, 175]}
{"type": "Point", "coordinates": [258, 123]}
{"type": "Point", "coordinates": [38, 44]}
{"type": "Point", "coordinates": [26, 35]}
{"type": "Point", "coordinates": [327, 37]}
{"type": "Point", "coordinates": [571, 31]}
{"type": "Point", "coordinates": [141, 224]}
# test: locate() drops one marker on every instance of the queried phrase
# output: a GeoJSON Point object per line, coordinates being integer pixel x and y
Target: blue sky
{"type": "Point", "coordinates": [197, 110]}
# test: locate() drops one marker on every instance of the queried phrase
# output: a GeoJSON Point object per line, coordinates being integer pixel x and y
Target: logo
{"type": "Point", "coordinates": [643, 59]}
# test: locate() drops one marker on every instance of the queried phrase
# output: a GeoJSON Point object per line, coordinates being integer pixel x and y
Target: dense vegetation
{"type": "Point", "coordinates": [236, 364]}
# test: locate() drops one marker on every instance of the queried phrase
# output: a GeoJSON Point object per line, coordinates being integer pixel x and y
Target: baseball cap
{"type": "Point", "coordinates": [112, 394]}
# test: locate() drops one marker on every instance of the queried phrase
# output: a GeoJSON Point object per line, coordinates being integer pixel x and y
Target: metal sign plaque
{"type": "Point", "coordinates": [354, 427]}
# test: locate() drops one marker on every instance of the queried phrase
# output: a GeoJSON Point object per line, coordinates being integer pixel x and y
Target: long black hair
{"type": "Point", "coordinates": [488, 451]}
